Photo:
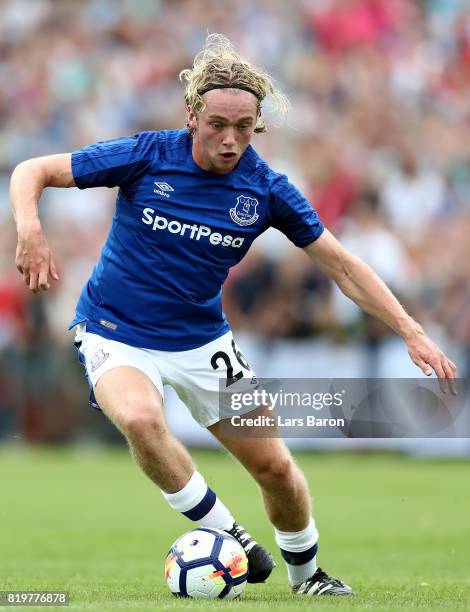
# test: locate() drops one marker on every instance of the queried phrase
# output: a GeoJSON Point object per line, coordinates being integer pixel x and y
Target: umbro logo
{"type": "Point", "coordinates": [162, 189]}
{"type": "Point", "coordinates": [164, 186]}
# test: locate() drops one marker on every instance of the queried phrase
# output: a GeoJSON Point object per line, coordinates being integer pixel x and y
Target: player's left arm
{"type": "Point", "coordinates": [362, 285]}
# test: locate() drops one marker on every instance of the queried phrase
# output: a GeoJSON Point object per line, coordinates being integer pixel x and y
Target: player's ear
{"type": "Point", "coordinates": [192, 119]}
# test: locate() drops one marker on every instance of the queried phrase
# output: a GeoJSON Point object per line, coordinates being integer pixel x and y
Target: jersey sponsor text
{"type": "Point", "coordinates": [194, 231]}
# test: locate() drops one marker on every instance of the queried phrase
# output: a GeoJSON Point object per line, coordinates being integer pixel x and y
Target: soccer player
{"type": "Point", "coordinates": [190, 204]}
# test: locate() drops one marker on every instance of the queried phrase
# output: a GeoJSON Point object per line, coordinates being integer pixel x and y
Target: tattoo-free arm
{"type": "Point", "coordinates": [362, 285]}
{"type": "Point", "coordinates": [33, 256]}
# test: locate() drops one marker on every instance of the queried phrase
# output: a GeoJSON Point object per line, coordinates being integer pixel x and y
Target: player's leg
{"type": "Point", "coordinates": [134, 405]}
{"type": "Point", "coordinates": [128, 387]}
{"type": "Point", "coordinates": [132, 402]}
{"type": "Point", "coordinates": [270, 463]}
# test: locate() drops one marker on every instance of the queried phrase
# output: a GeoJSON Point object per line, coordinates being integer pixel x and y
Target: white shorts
{"type": "Point", "coordinates": [195, 375]}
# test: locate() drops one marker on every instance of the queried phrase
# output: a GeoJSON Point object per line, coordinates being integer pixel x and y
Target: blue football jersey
{"type": "Point", "coordinates": [176, 232]}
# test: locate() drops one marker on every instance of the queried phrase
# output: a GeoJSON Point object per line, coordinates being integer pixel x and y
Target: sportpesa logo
{"type": "Point", "coordinates": [194, 231]}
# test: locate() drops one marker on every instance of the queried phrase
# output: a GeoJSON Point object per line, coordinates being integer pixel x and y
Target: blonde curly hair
{"type": "Point", "coordinates": [219, 66]}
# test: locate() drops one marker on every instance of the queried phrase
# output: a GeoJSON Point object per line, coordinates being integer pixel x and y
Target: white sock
{"type": "Point", "coordinates": [199, 503]}
{"type": "Point", "coordinates": [299, 549]}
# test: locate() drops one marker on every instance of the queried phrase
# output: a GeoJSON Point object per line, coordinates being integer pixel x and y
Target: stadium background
{"type": "Point", "coordinates": [377, 139]}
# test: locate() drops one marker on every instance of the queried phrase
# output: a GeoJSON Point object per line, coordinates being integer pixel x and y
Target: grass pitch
{"type": "Point", "coordinates": [396, 529]}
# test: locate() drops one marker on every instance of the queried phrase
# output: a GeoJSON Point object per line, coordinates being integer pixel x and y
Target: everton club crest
{"type": "Point", "coordinates": [244, 211]}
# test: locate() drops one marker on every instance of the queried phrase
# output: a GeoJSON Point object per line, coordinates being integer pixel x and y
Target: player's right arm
{"type": "Point", "coordinates": [33, 256]}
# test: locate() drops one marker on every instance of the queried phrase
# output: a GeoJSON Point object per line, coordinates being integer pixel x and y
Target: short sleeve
{"type": "Point", "coordinates": [114, 163]}
{"type": "Point", "coordinates": [292, 214]}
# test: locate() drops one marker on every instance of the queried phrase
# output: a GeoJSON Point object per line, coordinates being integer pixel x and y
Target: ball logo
{"type": "Point", "coordinates": [244, 211]}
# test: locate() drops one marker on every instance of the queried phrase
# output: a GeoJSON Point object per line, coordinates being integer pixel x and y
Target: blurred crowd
{"type": "Point", "coordinates": [378, 140]}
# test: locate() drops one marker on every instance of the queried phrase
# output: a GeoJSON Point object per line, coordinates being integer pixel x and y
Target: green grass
{"type": "Point", "coordinates": [396, 529]}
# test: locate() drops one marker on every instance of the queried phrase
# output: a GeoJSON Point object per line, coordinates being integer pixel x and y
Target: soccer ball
{"type": "Point", "coordinates": [206, 564]}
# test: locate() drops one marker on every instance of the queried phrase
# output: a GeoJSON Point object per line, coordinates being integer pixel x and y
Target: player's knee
{"type": "Point", "coordinates": [143, 422]}
{"type": "Point", "coordinates": [276, 472]}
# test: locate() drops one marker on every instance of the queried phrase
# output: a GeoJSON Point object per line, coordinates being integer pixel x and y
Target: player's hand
{"type": "Point", "coordinates": [34, 259]}
{"type": "Point", "coordinates": [429, 357]}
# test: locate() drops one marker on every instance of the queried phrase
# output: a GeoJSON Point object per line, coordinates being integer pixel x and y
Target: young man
{"type": "Point", "coordinates": [189, 206]}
